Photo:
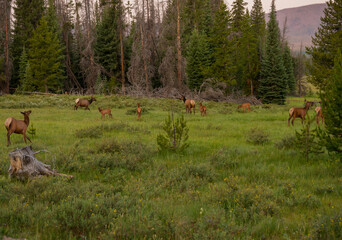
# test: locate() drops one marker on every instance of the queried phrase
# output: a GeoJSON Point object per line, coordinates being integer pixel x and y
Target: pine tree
{"type": "Point", "coordinates": [107, 46]}
{"type": "Point", "coordinates": [222, 68]}
{"type": "Point", "coordinates": [27, 14]}
{"type": "Point", "coordinates": [289, 71]}
{"type": "Point", "coordinates": [259, 30]}
{"type": "Point", "coordinates": [198, 60]}
{"type": "Point", "coordinates": [23, 67]}
{"type": "Point", "coordinates": [332, 108]}
{"type": "Point", "coordinates": [273, 87]}
{"type": "Point", "coordinates": [326, 42]}
{"type": "Point", "coordinates": [238, 13]}
{"type": "Point", "coordinates": [45, 56]}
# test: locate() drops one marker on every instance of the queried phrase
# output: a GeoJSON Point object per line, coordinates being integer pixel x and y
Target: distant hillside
{"type": "Point", "coordinates": [302, 23]}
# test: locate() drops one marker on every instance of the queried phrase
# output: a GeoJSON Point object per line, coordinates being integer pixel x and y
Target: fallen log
{"type": "Point", "coordinates": [24, 165]}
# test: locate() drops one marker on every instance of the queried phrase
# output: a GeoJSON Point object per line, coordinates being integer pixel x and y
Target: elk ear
{"type": "Point", "coordinates": [22, 113]}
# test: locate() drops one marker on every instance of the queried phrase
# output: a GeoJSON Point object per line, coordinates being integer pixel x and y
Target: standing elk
{"type": "Point", "coordinates": [105, 111]}
{"type": "Point", "coordinates": [203, 109]}
{"type": "Point", "coordinates": [138, 111]}
{"type": "Point", "coordinates": [189, 103]}
{"type": "Point", "coordinates": [17, 126]}
{"type": "Point", "coordinates": [299, 112]}
{"type": "Point", "coordinates": [82, 102]}
{"type": "Point", "coordinates": [244, 106]}
{"type": "Point", "coordinates": [319, 114]}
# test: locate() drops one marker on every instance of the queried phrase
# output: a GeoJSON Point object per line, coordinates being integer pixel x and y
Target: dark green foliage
{"type": "Point", "coordinates": [27, 14]}
{"type": "Point", "coordinates": [307, 140]}
{"type": "Point", "coordinates": [175, 136]}
{"type": "Point", "coordinates": [332, 109]}
{"type": "Point", "coordinates": [326, 42]}
{"type": "Point", "coordinates": [107, 46]}
{"type": "Point", "coordinates": [273, 87]}
{"type": "Point", "coordinates": [45, 57]}
{"type": "Point", "coordinates": [198, 60]}
{"type": "Point", "coordinates": [222, 68]}
{"type": "Point", "coordinates": [289, 71]}
{"type": "Point", "coordinates": [23, 69]}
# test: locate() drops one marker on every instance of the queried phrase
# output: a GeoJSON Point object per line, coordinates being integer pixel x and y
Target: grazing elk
{"type": "Point", "coordinates": [244, 106]}
{"type": "Point", "coordinates": [203, 110]}
{"type": "Point", "coordinates": [17, 126]}
{"type": "Point", "coordinates": [189, 103]}
{"type": "Point", "coordinates": [299, 112]}
{"type": "Point", "coordinates": [138, 111]}
{"type": "Point", "coordinates": [319, 114]}
{"type": "Point", "coordinates": [82, 102]}
{"type": "Point", "coordinates": [105, 111]}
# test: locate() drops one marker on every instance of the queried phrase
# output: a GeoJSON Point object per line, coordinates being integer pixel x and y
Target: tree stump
{"type": "Point", "coordinates": [24, 165]}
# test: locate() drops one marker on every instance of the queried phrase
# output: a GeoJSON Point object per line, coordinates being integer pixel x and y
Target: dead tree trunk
{"type": "Point", "coordinates": [25, 165]}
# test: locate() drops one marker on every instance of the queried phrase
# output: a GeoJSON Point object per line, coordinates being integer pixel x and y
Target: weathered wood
{"type": "Point", "coordinates": [25, 165]}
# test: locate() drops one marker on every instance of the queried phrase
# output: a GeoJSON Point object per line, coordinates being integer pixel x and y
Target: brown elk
{"type": "Point", "coordinates": [17, 126]}
{"type": "Point", "coordinates": [105, 111]}
{"type": "Point", "coordinates": [319, 114]}
{"type": "Point", "coordinates": [203, 109]}
{"type": "Point", "coordinates": [299, 112]}
{"type": "Point", "coordinates": [138, 111]}
{"type": "Point", "coordinates": [244, 106]}
{"type": "Point", "coordinates": [82, 102]}
{"type": "Point", "coordinates": [189, 103]}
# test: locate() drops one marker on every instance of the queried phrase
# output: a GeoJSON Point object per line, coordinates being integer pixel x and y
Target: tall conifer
{"type": "Point", "coordinates": [326, 42]}
{"type": "Point", "coordinates": [273, 87]}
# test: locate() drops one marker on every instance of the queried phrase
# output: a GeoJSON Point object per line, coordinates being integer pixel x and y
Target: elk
{"type": "Point", "coordinates": [299, 112]}
{"type": "Point", "coordinates": [244, 106]}
{"type": "Point", "coordinates": [138, 111]}
{"type": "Point", "coordinates": [203, 110]}
{"type": "Point", "coordinates": [319, 114]}
{"type": "Point", "coordinates": [17, 126]}
{"type": "Point", "coordinates": [82, 102]}
{"type": "Point", "coordinates": [105, 111]}
{"type": "Point", "coordinates": [189, 103]}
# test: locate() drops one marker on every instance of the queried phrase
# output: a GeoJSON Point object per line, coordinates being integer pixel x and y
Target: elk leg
{"type": "Point", "coordinates": [27, 138]}
{"type": "Point", "coordinates": [293, 120]}
{"type": "Point", "coordinates": [110, 116]}
{"type": "Point", "coordinates": [8, 139]}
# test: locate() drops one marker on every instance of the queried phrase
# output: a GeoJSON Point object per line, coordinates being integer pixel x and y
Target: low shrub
{"type": "Point", "coordinates": [257, 136]}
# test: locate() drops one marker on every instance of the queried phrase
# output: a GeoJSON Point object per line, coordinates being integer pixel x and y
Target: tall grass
{"type": "Point", "coordinates": [221, 187]}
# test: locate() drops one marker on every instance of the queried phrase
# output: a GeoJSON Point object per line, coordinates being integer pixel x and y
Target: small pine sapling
{"type": "Point", "coordinates": [32, 131]}
{"type": "Point", "coordinates": [175, 136]}
{"type": "Point", "coordinates": [307, 140]}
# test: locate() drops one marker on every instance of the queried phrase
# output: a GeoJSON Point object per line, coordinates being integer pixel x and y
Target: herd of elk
{"type": "Point", "coordinates": [189, 103]}
{"type": "Point", "coordinates": [17, 126]}
{"type": "Point", "coordinates": [20, 126]}
{"type": "Point", "coordinates": [82, 102]}
{"type": "Point", "coordinates": [299, 112]}
{"type": "Point", "coordinates": [244, 106]}
{"type": "Point", "coordinates": [203, 109]}
{"type": "Point", "coordinates": [105, 111]}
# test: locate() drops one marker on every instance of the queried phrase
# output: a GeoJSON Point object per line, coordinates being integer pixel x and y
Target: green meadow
{"type": "Point", "coordinates": [242, 176]}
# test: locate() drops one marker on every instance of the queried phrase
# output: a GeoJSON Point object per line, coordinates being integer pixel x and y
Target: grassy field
{"type": "Point", "coordinates": [226, 185]}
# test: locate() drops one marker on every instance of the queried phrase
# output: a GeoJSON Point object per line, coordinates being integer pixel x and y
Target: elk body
{"type": "Point", "coordinates": [82, 102]}
{"type": "Point", "coordinates": [189, 103]}
{"type": "Point", "coordinates": [319, 114]}
{"type": "Point", "coordinates": [244, 106]}
{"type": "Point", "coordinates": [17, 126]}
{"type": "Point", "coordinates": [105, 111]}
{"type": "Point", "coordinates": [203, 110]}
{"type": "Point", "coordinates": [299, 112]}
{"type": "Point", "coordinates": [138, 111]}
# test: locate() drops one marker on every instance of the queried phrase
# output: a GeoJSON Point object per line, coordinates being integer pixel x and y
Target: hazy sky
{"type": "Point", "coordinates": [281, 4]}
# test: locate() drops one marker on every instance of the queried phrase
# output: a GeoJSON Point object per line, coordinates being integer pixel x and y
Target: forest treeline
{"type": "Point", "coordinates": [107, 46]}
